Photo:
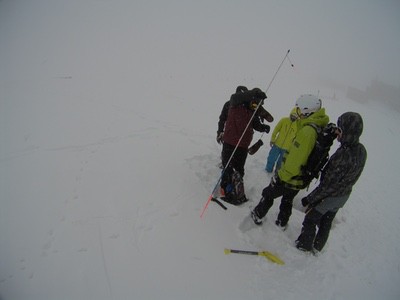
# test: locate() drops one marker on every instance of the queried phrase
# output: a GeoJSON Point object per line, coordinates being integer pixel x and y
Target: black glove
{"type": "Point", "coordinates": [266, 128]}
{"type": "Point", "coordinates": [253, 149]}
{"type": "Point", "coordinates": [305, 201]}
{"type": "Point", "coordinates": [328, 135]}
{"type": "Point", "coordinates": [309, 203]}
{"type": "Point", "coordinates": [264, 114]}
{"type": "Point", "coordinates": [330, 129]}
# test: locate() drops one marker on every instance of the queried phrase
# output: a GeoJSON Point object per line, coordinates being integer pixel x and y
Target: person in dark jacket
{"type": "Point", "coordinates": [235, 135]}
{"type": "Point", "coordinates": [337, 180]}
{"type": "Point", "coordinates": [242, 120]}
{"type": "Point", "coordinates": [262, 114]}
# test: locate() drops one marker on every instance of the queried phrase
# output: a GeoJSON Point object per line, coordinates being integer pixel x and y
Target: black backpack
{"type": "Point", "coordinates": [320, 154]}
{"type": "Point", "coordinates": [233, 186]}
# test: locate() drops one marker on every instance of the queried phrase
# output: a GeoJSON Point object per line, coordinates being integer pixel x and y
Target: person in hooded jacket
{"type": "Point", "coordinates": [281, 139]}
{"type": "Point", "coordinates": [289, 179]}
{"type": "Point", "coordinates": [337, 180]}
{"type": "Point", "coordinates": [235, 135]}
{"type": "Point", "coordinates": [262, 114]}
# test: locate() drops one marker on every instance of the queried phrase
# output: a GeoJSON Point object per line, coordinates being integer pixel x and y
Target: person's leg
{"type": "Point", "coordinates": [226, 153]}
{"type": "Point", "coordinates": [306, 238]}
{"type": "Point", "coordinates": [267, 200]}
{"type": "Point", "coordinates": [239, 160]}
{"type": "Point", "coordinates": [285, 209]}
{"type": "Point", "coordinates": [323, 230]}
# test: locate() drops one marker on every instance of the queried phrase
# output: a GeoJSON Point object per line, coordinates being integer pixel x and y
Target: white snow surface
{"type": "Point", "coordinates": [109, 113]}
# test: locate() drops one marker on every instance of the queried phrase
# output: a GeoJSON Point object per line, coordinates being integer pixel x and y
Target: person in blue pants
{"type": "Point", "coordinates": [281, 139]}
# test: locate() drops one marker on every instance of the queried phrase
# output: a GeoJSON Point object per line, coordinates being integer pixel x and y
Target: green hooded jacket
{"type": "Point", "coordinates": [300, 149]}
{"type": "Point", "coordinates": [284, 132]}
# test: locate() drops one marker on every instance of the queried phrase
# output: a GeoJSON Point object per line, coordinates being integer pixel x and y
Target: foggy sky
{"type": "Point", "coordinates": [345, 41]}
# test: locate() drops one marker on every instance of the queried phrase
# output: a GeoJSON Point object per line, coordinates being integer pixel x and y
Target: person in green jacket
{"type": "Point", "coordinates": [281, 139]}
{"type": "Point", "coordinates": [287, 181]}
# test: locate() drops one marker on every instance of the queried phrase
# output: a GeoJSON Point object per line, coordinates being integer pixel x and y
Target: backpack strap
{"type": "Point", "coordinates": [317, 128]}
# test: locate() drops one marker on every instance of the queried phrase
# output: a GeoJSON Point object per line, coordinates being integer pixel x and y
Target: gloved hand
{"type": "Point", "coordinates": [266, 128]}
{"type": "Point", "coordinates": [330, 129]}
{"type": "Point", "coordinates": [310, 204]}
{"type": "Point", "coordinates": [264, 114]}
{"type": "Point", "coordinates": [220, 135]}
{"type": "Point", "coordinates": [253, 149]}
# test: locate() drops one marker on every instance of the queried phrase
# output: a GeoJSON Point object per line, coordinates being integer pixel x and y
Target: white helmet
{"type": "Point", "coordinates": [308, 104]}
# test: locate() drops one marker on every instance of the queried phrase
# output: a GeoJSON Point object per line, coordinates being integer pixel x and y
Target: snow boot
{"type": "Point", "coordinates": [256, 219]}
{"type": "Point", "coordinates": [280, 225]}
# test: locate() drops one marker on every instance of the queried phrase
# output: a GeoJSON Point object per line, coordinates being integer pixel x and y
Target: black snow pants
{"type": "Point", "coordinates": [271, 192]}
{"type": "Point", "coordinates": [238, 160]}
{"type": "Point", "coordinates": [309, 237]}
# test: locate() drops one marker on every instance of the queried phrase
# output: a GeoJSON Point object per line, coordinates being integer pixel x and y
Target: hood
{"type": "Point", "coordinates": [318, 118]}
{"type": "Point", "coordinates": [351, 124]}
{"type": "Point", "coordinates": [293, 114]}
{"type": "Point", "coordinates": [245, 97]}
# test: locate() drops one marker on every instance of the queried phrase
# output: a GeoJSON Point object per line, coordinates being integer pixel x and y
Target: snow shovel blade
{"type": "Point", "coordinates": [272, 257]}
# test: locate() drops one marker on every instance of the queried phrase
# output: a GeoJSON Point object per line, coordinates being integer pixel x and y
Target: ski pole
{"type": "Point", "coordinates": [241, 137]}
{"type": "Point", "coordinates": [276, 73]}
{"type": "Point", "coordinates": [256, 146]}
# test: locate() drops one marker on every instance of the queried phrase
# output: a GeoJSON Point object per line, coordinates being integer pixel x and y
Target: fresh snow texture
{"type": "Point", "coordinates": [109, 113]}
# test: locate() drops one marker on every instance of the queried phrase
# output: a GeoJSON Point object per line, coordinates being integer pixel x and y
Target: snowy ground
{"type": "Point", "coordinates": [108, 156]}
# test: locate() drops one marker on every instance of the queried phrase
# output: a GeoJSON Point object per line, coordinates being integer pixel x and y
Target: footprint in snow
{"type": "Point", "coordinates": [247, 224]}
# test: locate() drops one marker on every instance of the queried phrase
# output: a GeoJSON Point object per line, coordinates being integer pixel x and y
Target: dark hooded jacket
{"type": "Point", "coordinates": [239, 115]}
{"type": "Point", "coordinates": [262, 113]}
{"type": "Point", "coordinates": [344, 167]}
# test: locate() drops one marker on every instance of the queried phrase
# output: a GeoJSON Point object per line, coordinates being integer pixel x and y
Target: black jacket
{"type": "Point", "coordinates": [345, 166]}
{"type": "Point", "coordinates": [243, 97]}
{"type": "Point", "coordinates": [223, 117]}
